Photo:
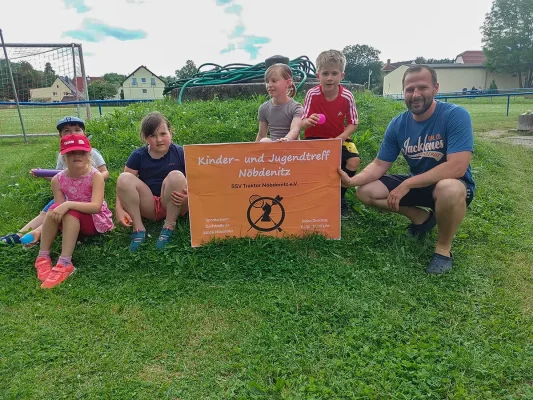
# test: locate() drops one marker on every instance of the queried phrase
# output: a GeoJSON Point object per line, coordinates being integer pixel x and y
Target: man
{"type": "Point", "coordinates": [437, 142]}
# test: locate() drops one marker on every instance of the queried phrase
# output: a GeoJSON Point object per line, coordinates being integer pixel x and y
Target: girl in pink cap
{"type": "Point", "coordinates": [79, 209]}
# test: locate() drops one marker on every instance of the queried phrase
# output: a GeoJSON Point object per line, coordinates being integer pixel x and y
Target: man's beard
{"type": "Point", "coordinates": [426, 104]}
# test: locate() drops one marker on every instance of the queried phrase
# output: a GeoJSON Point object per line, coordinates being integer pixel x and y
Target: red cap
{"type": "Point", "coordinates": [75, 142]}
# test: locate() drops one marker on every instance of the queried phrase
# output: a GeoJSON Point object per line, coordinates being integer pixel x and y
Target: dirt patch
{"type": "Point", "coordinates": [520, 140]}
{"type": "Point", "coordinates": [495, 134]}
{"type": "Point", "coordinates": [508, 137]}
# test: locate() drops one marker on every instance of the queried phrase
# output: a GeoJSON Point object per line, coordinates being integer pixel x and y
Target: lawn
{"type": "Point", "coordinates": [490, 114]}
{"type": "Point", "coordinates": [272, 318]}
{"type": "Point", "coordinates": [41, 119]}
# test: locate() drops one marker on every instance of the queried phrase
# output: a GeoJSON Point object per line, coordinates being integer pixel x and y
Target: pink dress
{"type": "Point", "coordinates": [80, 189]}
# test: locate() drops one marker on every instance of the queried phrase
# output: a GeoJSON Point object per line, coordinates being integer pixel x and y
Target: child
{"type": "Point", "coordinates": [65, 126]}
{"type": "Point", "coordinates": [281, 115]}
{"type": "Point", "coordinates": [153, 183]}
{"type": "Point", "coordinates": [79, 208]}
{"type": "Point", "coordinates": [337, 104]}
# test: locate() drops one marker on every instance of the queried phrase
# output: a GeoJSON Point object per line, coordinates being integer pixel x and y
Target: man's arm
{"type": "Point", "coordinates": [455, 167]}
{"type": "Point", "coordinates": [372, 172]}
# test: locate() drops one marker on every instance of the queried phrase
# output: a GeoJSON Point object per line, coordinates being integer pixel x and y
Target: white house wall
{"type": "Point", "coordinates": [135, 88]}
{"type": "Point", "coordinates": [452, 79]}
{"type": "Point", "coordinates": [503, 81]}
{"type": "Point", "coordinates": [392, 82]}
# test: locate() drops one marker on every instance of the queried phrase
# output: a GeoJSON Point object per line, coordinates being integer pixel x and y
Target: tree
{"type": "Point", "coordinates": [25, 77]}
{"type": "Point", "coordinates": [423, 60]}
{"type": "Point", "coordinates": [113, 77]}
{"type": "Point", "coordinates": [102, 90]}
{"type": "Point", "coordinates": [359, 60]}
{"type": "Point", "coordinates": [187, 71]}
{"type": "Point", "coordinates": [49, 74]}
{"type": "Point", "coordinates": [508, 39]}
{"type": "Point", "coordinates": [168, 79]}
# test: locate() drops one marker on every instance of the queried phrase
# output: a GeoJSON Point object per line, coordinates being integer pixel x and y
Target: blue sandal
{"type": "Point", "coordinates": [10, 239]}
{"type": "Point", "coordinates": [440, 264]}
{"type": "Point", "coordinates": [422, 229]}
{"type": "Point", "coordinates": [137, 238]}
{"type": "Point", "coordinates": [164, 238]}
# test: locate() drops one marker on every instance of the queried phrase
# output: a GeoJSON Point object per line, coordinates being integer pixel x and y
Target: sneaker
{"type": "Point", "coordinates": [346, 210]}
{"type": "Point", "coordinates": [10, 239]}
{"type": "Point", "coordinates": [164, 238]}
{"type": "Point", "coordinates": [43, 265]}
{"type": "Point", "coordinates": [137, 238]}
{"type": "Point", "coordinates": [422, 229]}
{"type": "Point", "coordinates": [58, 274]}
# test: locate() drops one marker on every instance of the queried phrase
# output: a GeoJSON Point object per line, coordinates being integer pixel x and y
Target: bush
{"type": "Point", "coordinates": [117, 134]}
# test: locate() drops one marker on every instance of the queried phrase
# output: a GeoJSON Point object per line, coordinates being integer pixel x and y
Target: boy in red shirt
{"type": "Point", "coordinates": [338, 106]}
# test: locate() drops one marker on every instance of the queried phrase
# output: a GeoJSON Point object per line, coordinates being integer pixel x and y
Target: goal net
{"type": "Point", "coordinates": [47, 77]}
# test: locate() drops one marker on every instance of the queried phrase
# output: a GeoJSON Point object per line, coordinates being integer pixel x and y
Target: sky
{"type": "Point", "coordinates": [120, 35]}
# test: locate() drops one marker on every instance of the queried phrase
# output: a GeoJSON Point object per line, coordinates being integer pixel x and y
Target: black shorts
{"type": "Point", "coordinates": [418, 197]}
{"type": "Point", "coordinates": [346, 154]}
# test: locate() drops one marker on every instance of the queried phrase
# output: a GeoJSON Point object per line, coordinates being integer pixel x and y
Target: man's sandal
{"type": "Point", "coordinates": [10, 239]}
{"type": "Point", "coordinates": [440, 264]}
{"type": "Point", "coordinates": [137, 238]}
{"type": "Point", "coordinates": [422, 229]}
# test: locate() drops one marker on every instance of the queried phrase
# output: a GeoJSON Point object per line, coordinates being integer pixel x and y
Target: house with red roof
{"type": "Point", "coordinates": [62, 89]}
{"type": "Point", "coordinates": [80, 85]}
{"type": "Point", "coordinates": [471, 57]}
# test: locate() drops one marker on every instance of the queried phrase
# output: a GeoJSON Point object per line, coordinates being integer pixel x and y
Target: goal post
{"type": "Point", "coordinates": [38, 84]}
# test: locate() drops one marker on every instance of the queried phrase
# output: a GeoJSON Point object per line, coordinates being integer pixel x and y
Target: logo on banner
{"type": "Point", "coordinates": [265, 214]}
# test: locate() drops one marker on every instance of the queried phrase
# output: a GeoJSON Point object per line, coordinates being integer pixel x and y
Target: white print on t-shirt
{"type": "Point", "coordinates": [424, 149]}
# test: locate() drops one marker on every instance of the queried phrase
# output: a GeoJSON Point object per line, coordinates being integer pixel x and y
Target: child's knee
{"type": "Point", "coordinates": [125, 180]}
{"type": "Point", "coordinates": [176, 178]}
{"type": "Point", "coordinates": [353, 163]}
{"type": "Point", "coordinates": [48, 219]}
{"type": "Point", "coordinates": [69, 219]}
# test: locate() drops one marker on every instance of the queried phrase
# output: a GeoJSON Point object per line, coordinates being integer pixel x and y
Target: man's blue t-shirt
{"type": "Point", "coordinates": [153, 171]}
{"type": "Point", "coordinates": [426, 144]}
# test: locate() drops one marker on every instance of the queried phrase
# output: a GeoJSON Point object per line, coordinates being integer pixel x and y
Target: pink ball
{"type": "Point", "coordinates": [321, 119]}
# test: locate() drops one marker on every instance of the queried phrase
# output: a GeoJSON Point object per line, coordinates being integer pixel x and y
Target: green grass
{"type": "Point", "coordinates": [490, 114]}
{"type": "Point", "coordinates": [267, 318]}
{"type": "Point", "coordinates": [41, 119]}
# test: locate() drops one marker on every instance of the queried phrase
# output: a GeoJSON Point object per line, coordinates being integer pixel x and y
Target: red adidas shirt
{"type": "Point", "coordinates": [336, 112]}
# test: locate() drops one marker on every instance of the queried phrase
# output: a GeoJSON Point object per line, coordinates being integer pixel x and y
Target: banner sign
{"type": "Point", "coordinates": [275, 189]}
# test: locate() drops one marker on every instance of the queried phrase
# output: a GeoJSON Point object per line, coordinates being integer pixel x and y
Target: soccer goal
{"type": "Point", "coordinates": [38, 85]}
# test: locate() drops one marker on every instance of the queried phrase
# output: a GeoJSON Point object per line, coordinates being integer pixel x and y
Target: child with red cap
{"type": "Point", "coordinates": [79, 209]}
